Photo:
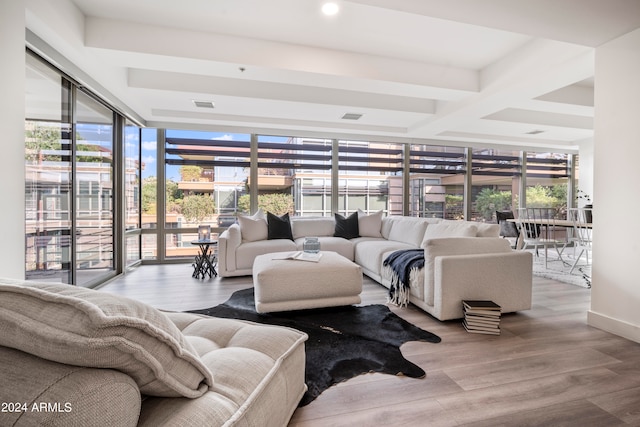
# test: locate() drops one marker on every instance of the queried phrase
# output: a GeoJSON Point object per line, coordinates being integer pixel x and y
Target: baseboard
{"type": "Point", "coordinates": [615, 326]}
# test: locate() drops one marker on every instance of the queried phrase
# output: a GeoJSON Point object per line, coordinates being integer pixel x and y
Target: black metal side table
{"type": "Point", "coordinates": [205, 262]}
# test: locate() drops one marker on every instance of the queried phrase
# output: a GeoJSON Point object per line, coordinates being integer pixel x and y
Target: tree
{"type": "Point", "coordinates": [276, 203]}
{"type": "Point", "coordinates": [190, 173]}
{"type": "Point", "coordinates": [560, 193]}
{"type": "Point", "coordinates": [174, 197]}
{"type": "Point", "coordinates": [198, 207]}
{"type": "Point", "coordinates": [39, 138]}
{"type": "Point", "coordinates": [540, 196]}
{"type": "Point", "coordinates": [489, 200]}
{"type": "Point", "coordinates": [453, 206]}
{"type": "Point", "coordinates": [149, 190]}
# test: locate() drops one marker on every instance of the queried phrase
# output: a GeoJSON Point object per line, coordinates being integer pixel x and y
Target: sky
{"type": "Point", "coordinates": [149, 151]}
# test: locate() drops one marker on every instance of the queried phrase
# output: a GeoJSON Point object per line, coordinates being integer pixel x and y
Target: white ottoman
{"type": "Point", "coordinates": [284, 284]}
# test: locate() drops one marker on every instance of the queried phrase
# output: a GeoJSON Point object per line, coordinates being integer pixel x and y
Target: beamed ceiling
{"type": "Point", "coordinates": [492, 72]}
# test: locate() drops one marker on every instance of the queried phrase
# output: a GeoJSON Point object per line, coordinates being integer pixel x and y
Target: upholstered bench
{"type": "Point", "coordinates": [71, 356]}
{"type": "Point", "coordinates": [285, 284]}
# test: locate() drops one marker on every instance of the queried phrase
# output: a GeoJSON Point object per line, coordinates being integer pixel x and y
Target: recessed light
{"type": "Point", "coordinates": [330, 8]}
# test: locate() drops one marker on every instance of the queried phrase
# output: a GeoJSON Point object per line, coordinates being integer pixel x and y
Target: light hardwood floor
{"type": "Point", "coordinates": [547, 368]}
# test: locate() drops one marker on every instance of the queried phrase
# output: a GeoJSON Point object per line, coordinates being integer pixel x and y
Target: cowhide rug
{"type": "Point", "coordinates": [344, 342]}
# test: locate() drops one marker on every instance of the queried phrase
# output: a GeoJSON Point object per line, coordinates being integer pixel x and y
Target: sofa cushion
{"type": "Point", "coordinates": [451, 229]}
{"type": "Point", "coordinates": [312, 226]}
{"type": "Point", "coordinates": [82, 396]}
{"type": "Point", "coordinates": [370, 225]}
{"type": "Point", "coordinates": [387, 223]}
{"type": "Point", "coordinates": [248, 251]}
{"type": "Point", "coordinates": [254, 227]}
{"type": "Point", "coordinates": [369, 253]}
{"type": "Point", "coordinates": [347, 227]}
{"type": "Point", "coordinates": [84, 327]}
{"type": "Point", "coordinates": [487, 229]}
{"type": "Point", "coordinates": [279, 227]}
{"type": "Point", "coordinates": [259, 372]}
{"type": "Point", "coordinates": [408, 230]}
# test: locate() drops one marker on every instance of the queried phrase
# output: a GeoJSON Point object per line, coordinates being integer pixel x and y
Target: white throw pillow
{"type": "Point", "coordinates": [408, 230]}
{"type": "Point", "coordinates": [370, 225]}
{"type": "Point", "coordinates": [254, 227]}
{"type": "Point", "coordinates": [451, 229]}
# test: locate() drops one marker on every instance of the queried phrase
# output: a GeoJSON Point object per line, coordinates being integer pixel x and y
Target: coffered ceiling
{"type": "Point", "coordinates": [491, 72]}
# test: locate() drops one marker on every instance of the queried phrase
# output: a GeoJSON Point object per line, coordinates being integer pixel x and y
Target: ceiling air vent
{"type": "Point", "coordinates": [351, 116]}
{"type": "Point", "coordinates": [204, 104]}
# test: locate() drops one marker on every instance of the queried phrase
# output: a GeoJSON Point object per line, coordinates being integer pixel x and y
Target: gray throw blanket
{"type": "Point", "coordinates": [402, 264]}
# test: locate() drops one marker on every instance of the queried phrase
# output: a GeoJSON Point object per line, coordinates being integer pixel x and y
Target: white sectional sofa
{"type": "Point", "coordinates": [463, 260]}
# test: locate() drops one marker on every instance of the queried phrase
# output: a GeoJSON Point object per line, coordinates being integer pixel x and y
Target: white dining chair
{"type": "Point", "coordinates": [582, 233]}
{"type": "Point", "coordinates": [538, 230]}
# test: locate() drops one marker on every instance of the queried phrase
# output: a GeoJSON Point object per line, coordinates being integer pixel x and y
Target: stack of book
{"type": "Point", "coordinates": [481, 317]}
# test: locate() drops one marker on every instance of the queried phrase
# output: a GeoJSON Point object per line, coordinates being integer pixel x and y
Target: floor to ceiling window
{"type": "Point", "coordinates": [370, 177]}
{"type": "Point", "coordinates": [547, 181]}
{"type": "Point", "coordinates": [48, 174]}
{"type": "Point", "coordinates": [496, 178]}
{"type": "Point", "coordinates": [206, 176]}
{"type": "Point", "coordinates": [149, 193]}
{"type": "Point", "coordinates": [437, 176]}
{"type": "Point", "coordinates": [103, 194]}
{"type": "Point", "coordinates": [132, 192]}
{"type": "Point", "coordinates": [294, 175]}
{"type": "Point", "coordinates": [70, 176]}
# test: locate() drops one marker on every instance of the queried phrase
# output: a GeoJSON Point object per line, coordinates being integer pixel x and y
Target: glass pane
{"type": "Point", "coordinates": [149, 246]}
{"type": "Point", "coordinates": [94, 180]}
{"type": "Point", "coordinates": [547, 179]}
{"type": "Point", "coordinates": [294, 176]}
{"type": "Point", "coordinates": [179, 245]}
{"type": "Point", "coordinates": [133, 248]}
{"type": "Point", "coordinates": [437, 182]}
{"type": "Point", "coordinates": [370, 177]}
{"type": "Point", "coordinates": [132, 176]}
{"type": "Point", "coordinates": [495, 183]}
{"type": "Point", "coordinates": [48, 169]}
{"type": "Point", "coordinates": [149, 162]}
{"type": "Point", "coordinates": [207, 173]}
{"type": "Point", "coordinates": [132, 190]}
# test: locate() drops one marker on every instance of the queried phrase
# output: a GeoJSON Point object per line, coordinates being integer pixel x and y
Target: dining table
{"type": "Point", "coordinates": [567, 223]}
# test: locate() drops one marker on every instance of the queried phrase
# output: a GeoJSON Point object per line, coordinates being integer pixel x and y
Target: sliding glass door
{"type": "Point", "coordinates": [48, 134]}
{"type": "Point", "coordinates": [69, 188]}
{"type": "Point", "coordinates": [94, 189]}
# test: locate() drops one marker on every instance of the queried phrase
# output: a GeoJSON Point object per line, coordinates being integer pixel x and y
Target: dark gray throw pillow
{"type": "Point", "coordinates": [347, 227]}
{"type": "Point", "coordinates": [278, 227]}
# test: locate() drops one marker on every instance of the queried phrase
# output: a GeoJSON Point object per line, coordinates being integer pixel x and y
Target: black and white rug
{"type": "Point", "coordinates": [344, 342]}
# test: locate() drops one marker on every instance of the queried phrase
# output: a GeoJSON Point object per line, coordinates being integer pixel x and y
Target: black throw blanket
{"type": "Point", "coordinates": [401, 264]}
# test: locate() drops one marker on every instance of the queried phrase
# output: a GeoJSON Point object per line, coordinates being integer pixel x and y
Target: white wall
{"type": "Point", "coordinates": [615, 302]}
{"type": "Point", "coordinates": [12, 105]}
